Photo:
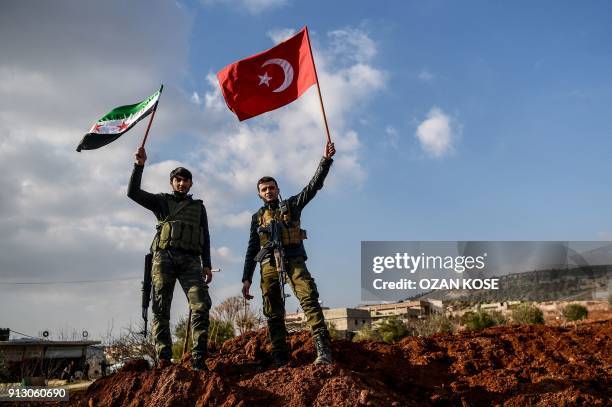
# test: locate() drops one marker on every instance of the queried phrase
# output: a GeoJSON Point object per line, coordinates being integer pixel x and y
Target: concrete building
{"type": "Point", "coordinates": [27, 358]}
{"type": "Point", "coordinates": [346, 321]}
{"type": "Point", "coordinates": [404, 310]}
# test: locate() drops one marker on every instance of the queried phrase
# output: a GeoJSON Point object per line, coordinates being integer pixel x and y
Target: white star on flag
{"type": "Point", "coordinates": [265, 79]}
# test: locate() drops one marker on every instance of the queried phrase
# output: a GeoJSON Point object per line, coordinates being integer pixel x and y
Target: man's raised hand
{"type": "Point", "coordinates": [330, 150]}
{"type": "Point", "coordinates": [141, 156]}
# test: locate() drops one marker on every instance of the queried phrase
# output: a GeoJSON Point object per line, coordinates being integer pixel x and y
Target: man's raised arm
{"type": "Point", "coordinates": [316, 183]}
{"type": "Point", "coordinates": [134, 192]}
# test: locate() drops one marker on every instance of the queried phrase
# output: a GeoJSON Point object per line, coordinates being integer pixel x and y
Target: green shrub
{"type": "Point", "coordinates": [333, 332]}
{"type": "Point", "coordinates": [527, 314]}
{"type": "Point", "coordinates": [481, 319]}
{"type": "Point", "coordinates": [432, 325]}
{"type": "Point", "coordinates": [392, 330]}
{"type": "Point", "coordinates": [218, 331]}
{"type": "Point", "coordinates": [498, 318]}
{"type": "Point", "coordinates": [367, 334]}
{"type": "Point", "coordinates": [574, 312]}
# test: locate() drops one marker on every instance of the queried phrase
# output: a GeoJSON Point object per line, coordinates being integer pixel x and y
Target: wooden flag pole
{"type": "Point", "coordinates": [318, 87]}
{"type": "Point", "coordinates": [144, 140]}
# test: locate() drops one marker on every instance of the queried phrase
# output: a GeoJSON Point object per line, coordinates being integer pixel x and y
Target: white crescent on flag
{"type": "Point", "coordinates": [287, 70]}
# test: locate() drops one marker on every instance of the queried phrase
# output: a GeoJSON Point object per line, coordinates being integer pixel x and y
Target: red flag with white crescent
{"type": "Point", "coordinates": [270, 79]}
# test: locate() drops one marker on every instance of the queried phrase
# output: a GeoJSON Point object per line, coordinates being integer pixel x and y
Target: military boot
{"type": "Point", "coordinates": [198, 362]}
{"type": "Point", "coordinates": [163, 363]}
{"type": "Point", "coordinates": [280, 358]}
{"type": "Point", "coordinates": [323, 346]}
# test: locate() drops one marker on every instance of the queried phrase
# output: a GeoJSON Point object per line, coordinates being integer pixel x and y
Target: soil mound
{"type": "Point", "coordinates": [511, 366]}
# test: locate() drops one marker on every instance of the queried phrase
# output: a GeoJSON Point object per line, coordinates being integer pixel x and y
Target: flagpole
{"type": "Point", "coordinates": [318, 87]}
{"type": "Point", "coordinates": [144, 140]}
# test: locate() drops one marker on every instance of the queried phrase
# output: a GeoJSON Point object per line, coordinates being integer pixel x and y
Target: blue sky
{"type": "Point", "coordinates": [453, 121]}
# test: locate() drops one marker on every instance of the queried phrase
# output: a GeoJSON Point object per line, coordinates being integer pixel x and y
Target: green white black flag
{"type": "Point", "coordinates": [118, 121]}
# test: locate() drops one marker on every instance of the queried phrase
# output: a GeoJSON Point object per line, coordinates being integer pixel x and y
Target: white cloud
{"type": "Point", "coordinates": [195, 98]}
{"type": "Point", "coordinates": [237, 220]}
{"type": "Point", "coordinates": [280, 35]}
{"type": "Point", "coordinates": [352, 44]}
{"type": "Point", "coordinates": [435, 133]}
{"type": "Point", "coordinates": [226, 254]}
{"type": "Point", "coordinates": [213, 97]}
{"type": "Point", "coordinates": [426, 76]}
{"type": "Point", "coordinates": [392, 136]}
{"type": "Point", "coordinates": [251, 6]}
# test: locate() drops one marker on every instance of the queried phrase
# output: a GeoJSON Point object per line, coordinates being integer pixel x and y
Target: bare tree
{"type": "Point", "coordinates": [236, 311]}
{"type": "Point", "coordinates": [64, 335]}
{"type": "Point", "coordinates": [131, 344]}
{"type": "Point", "coordinates": [248, 319]}
{"type": "Point", "coordinates": [228, 310]}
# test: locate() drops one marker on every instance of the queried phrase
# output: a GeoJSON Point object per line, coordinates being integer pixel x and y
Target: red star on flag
{"type": "Point", "coordinates": [96, 128]}
{"type": "Point", "coordinates": [122, 126]}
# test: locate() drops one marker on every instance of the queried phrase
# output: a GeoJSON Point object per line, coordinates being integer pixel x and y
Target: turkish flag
{"type": "Point", "coordinates": [270, 79]}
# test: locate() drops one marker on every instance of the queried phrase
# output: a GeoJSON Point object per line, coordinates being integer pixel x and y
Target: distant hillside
{"type": "Point", "coordinates": [580, 283]}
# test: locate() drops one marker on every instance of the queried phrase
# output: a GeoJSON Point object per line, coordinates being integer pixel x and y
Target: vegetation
{"type": "Point", "coordinates": [333, 332]}
{"type": "Point", "coordinates": [237, 312]}
{"type": "Point", "coordinates": [130, 344]}
{"type": "Point", "coordinates": [527, 314]}
{"type": "Point", "coordinates": [438, 323]}
{"type": "Point", "coordinates": [392, 330]}
{"type": "Point", "coordinates": [574, 312]}
{"type": "Point", "coordinates": [367, 334]}
{"type": "Point", "coordinates": [218, 331]}
{"type": "Point", "coordinates": [482, 319]}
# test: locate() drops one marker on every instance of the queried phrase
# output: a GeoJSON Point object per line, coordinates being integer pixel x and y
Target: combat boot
{"type": "Point", "coordinates": [323, 346]}
{"type": "Point", "coordinates": [280, 358]}
{"type": "Point", "coordinates": [163, 363]}
{"type": "Point", "coordinates": [198, 362]}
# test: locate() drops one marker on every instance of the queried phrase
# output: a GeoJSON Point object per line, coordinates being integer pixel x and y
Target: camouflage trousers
{"type": "Point", "coordinates": [304, 288]}
{"type": "Point", "coordinates": [167, 268]}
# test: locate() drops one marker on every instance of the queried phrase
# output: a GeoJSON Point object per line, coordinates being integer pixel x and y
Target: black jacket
{"type": "Point", "coordinates": [158, 204]}
{"type": "Point", "coordinates": [296, 204]}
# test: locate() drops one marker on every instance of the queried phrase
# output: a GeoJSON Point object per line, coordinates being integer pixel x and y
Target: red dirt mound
{"type": "Point", "coordinates": [510, 366]}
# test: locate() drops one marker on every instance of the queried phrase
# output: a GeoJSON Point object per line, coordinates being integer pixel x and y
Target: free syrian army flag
{"type": "Point", "coordinates": [118, 121]}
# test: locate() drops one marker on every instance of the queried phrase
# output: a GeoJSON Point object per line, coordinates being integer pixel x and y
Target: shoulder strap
{"type": "Point", "coordinates": [260, 213]}
{"type": "Point", "coordinates": [177, 209]}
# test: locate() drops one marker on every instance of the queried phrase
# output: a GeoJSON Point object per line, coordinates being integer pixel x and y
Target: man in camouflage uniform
{"type": "Point", "coordinates": [181, 250]}
{"type": "Point", "coordinates": [287, 213]}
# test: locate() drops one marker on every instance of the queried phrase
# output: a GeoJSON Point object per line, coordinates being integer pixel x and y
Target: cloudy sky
{"type": "Point", "coordinates": [487, 121]}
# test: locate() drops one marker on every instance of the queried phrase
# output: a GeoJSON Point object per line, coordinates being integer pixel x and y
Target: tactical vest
{"type": "Point", "coordinates": [181, 230]}
{"type": "Point", "coordinates": [290, 228]}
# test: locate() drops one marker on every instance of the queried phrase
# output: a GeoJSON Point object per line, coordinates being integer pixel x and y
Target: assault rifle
{"type": "Point", "coordinates": [275, 245]}
{"type": "Point", "coordinates": [146, 290]}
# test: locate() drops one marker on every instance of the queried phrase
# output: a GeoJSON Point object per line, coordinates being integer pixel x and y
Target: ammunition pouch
{"type": "Point", "coordinates": [177, 234]}
{"type": "Point", "coordinates": [290, 236]}
{"type": "Point", "coordinates": [291, 233]}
